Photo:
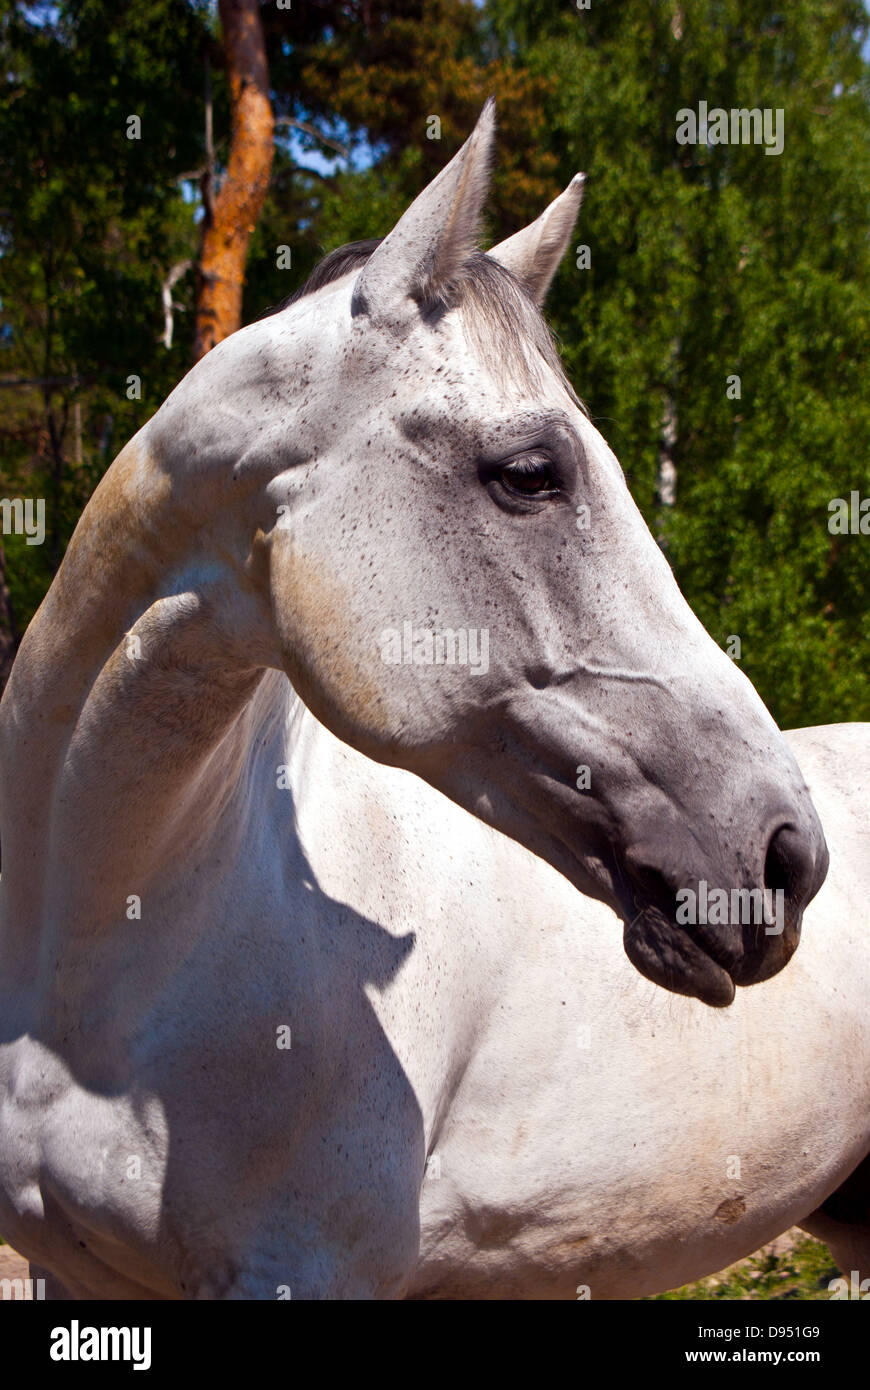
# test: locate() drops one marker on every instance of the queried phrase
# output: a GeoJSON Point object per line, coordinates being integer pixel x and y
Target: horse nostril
{"type": "Point", "coordinates": [788, 866]}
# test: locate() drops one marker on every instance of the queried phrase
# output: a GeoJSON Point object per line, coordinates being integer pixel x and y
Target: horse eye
{"type": "Point", "coordinates": [530, 476]}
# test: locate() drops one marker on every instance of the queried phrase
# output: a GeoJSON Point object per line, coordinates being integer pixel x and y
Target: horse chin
{"type": "Point", "coordinates": [667, 956]}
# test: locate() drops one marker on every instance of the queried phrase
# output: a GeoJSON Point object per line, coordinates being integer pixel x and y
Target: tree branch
{"type": "Point", "coordinates": [207, 184]}
{"type": "Point", "coordinates": [175, 274]}
{"type": "Point", "coordinates": [317, 135]}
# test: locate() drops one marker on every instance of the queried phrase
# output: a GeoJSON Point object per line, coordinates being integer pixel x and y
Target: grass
{"type": "Point", "coordinates": [803, 1272]}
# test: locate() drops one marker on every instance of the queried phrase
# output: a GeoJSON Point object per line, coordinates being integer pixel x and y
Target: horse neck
{"type": "Point", "coordinates": [113, 762]}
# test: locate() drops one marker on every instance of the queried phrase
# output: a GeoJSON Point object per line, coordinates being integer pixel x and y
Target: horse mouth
{"type": "Point", "coordinates": [668, 956]}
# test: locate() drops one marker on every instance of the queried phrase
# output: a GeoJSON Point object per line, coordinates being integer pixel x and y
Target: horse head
{"type": "Point", "coordinates": [446, 561]}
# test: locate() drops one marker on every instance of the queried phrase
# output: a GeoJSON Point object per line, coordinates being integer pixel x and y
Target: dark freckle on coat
{"type": "Point", "coordinates": [730, 1210]}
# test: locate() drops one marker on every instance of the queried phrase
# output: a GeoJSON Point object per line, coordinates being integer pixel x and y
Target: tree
{"type": "Point", "coordinates": [231, 215]}
{"type": "Point", "coordinates": [100, 115]}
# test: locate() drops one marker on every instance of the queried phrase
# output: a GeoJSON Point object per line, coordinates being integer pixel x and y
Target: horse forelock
{"type": "Point", "coordinates": [500, 315]}
{"type": "Point", "coordinates": [505, 323]}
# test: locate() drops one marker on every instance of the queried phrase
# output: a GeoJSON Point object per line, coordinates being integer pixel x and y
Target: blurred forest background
{"type": "Point", "coordinates": [307, 124]}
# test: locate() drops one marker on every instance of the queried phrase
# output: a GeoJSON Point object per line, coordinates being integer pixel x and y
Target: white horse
{"type": "Point", "coordinates": [310, 975]}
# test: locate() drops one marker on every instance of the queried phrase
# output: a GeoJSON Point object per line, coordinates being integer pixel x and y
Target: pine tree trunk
{"type": "Point", "coordinates": [230, 221]}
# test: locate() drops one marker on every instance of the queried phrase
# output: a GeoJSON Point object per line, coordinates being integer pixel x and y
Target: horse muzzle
{"type": "Point", "coordinates": [704, 941]}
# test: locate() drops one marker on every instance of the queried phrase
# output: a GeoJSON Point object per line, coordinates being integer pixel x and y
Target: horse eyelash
{"type": "Point", "coordinates": [529, 465]}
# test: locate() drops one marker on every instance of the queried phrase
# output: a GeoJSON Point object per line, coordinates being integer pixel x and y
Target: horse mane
{"type": "Point", "coordinates": [352, 256]}
{"type": "Point", "coordinates": [499, 311]}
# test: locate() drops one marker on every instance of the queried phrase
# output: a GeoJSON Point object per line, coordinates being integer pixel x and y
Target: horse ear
{"type": "Point", "coordinates": [433, 239]}
{"type": "Point", "coordinates": [534, 253]}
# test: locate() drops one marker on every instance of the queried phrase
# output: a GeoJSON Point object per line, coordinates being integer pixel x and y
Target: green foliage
{"type": "Point", "coordinates": [91, 222]}
{"type": "Point", "coordinates": [802, 1272]}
